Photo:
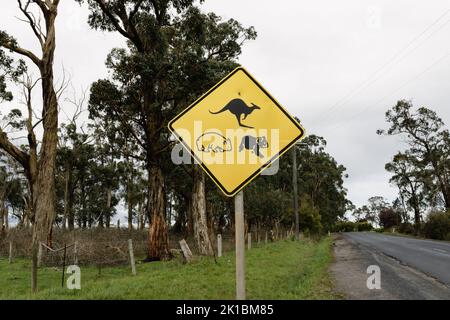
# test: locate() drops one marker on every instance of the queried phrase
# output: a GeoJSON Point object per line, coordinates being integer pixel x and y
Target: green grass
{"type": "Point", "coordinates": [281, 270]}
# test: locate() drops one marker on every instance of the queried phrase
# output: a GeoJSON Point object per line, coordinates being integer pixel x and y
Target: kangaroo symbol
{"type": "Point", "coordinates": [238, 107]}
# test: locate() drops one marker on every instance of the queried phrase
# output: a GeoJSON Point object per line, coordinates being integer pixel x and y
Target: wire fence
{"type": "Point", "coordinates": [109, 247]}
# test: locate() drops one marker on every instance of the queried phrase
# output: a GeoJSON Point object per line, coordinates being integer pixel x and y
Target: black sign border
{"type": "Point", "coordinates": [264, 166]}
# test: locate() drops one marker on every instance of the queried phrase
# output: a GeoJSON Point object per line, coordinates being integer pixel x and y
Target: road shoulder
{"type": "Point", "coordinates": [349, 272]}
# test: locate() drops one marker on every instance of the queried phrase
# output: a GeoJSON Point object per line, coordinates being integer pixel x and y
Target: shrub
{"type": "Point", "coordinates": [389, 218]}
{"type": "Point", "coordinates": [364, 226]}
{"type": "Point", "coordinates": [310, 218]}
{"type": "Point", "coordinates": [349, 226]}
{"type": "Point", "coordinates": [437, 225]}
{"type": "Point", "coordinates": [344, 226]}
{"type": "Point", "coordinates": [406, 228]}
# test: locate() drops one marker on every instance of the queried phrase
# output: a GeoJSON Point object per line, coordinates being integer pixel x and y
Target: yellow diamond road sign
{"type": "Point", "coordinates": [236, 130]}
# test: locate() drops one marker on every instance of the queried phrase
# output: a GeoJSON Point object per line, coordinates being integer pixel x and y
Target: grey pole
{"type": "Point", "coordinates": [294, 184]}
{"type": "Point", "coordinates": [240, 245]}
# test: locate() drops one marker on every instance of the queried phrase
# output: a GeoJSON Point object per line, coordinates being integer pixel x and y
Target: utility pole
{"type": "Point", "coordinates": [240, 245]}
{"type": "Point", "coordinates": [295, 190]}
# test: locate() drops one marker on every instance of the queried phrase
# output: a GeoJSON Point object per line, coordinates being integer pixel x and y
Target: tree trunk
{"type": "Point", "coordinates": [43, 186]}
{"type": "Point", "coordinates": [90, 218]}
{"type": "Point", "coordinates": [66, 197]}
{"type": "Point", "coordinates": [83, 208]}
{"type": "Point", "coordinates": [142, 213]}
{"type": "Point", "coordinates": [108, 208]}
{"type": "Point", "coordinates": [158, 240]}
{"type": "Point", "coordinates": [40, 170]}
{"type": "Point", "coordinates": [443, 186]}
{"type": "Point", "coordinates": [199, 219]}
{"type": "Point", "coordinates": [189, 223]}
{"type": "Point", "coordinates": [2, 226]}
{"type": "Point", "coordinates": [70, 216]}
{"type": "Point", "coordinates": [101, 224]}
{"type": "Point", "coordinates": [212, 230]}
{"type": "Point", "coordinates": [130, 205]}
{"type": "Point", "coordinates": [417, 217]}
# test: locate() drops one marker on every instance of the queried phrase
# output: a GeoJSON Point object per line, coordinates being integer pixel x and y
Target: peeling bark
{"type": "Point", "coordinates": [158, 240]}
{"type": "Point", "coordinates": [199, 218]}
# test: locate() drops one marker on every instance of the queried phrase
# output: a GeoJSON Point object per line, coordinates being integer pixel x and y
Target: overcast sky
{"type": "Point", "coordinates": [337, 65]}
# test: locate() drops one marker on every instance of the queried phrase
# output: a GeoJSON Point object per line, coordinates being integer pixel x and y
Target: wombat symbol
{"type": "Point", "coordinates": [238, 107]}
{"type": "Point", "coordinates": [213, 142]}
{"type": "Point", "coordinates": [254, 144]}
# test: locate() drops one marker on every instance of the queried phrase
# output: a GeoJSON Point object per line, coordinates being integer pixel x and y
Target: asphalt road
{"type": "Point", "coordinates": [428, 256]}
{"type": "Point", "coordinates": [410, 268]}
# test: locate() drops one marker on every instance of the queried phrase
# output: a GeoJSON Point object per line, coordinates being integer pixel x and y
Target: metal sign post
{"type": "Point", "coordinates": [240, 245]}
{"type": "Point", "coordinates": [295, 191]}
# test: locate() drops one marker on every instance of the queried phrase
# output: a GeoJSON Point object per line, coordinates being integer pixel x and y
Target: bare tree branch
{"type": "Point", "coordinates": [12, 150]}
{"type": "Point", "coordinates": [32, 21]}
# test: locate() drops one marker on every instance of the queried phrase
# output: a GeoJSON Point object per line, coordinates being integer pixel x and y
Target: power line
{"type": "Point", "coordinates": [374, 76]}
{"type": "Point", "coordinates": [404, 84]}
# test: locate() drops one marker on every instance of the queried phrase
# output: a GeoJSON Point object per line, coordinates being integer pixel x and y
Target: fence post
{"type": "Point", "coordinates": [265, 240]}
{"type": "Point", "coordinates": [39, 255]}
{"type": "Point", "coordinates": [130, 249]}
{"type": "Point", "coordinates": [219, 245]}
{"type": "Point", "coordinates": [186, 251]}
{"type": "Point", "coordinates": [10, 252]}
{"type": "Point", "coordinates": [75, 253]}
{"type": "Point", "coordinates": [64, 266]}
{"type": "Point", "coordinates": [249, 240]}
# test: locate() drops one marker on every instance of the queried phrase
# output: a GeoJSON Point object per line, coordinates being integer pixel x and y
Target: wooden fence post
{"type": "Point", "coordinates": [39, 255]}
{"type": "Point", "coordinates": [219, 245]}
{"type": "Point", "coordinates": [64, 266]}
{"type": "Point", "coordinates": [10, 252]}
{"type": "Point", "coordinates": [75, 253]}
{"type": "Point", "coordinates": [265, 240]}
{"type": "Point", "coordinates": [186, 251]}
{"type": "Point", "coordinates": [130, 250]}
{"type": "Point", "coordinates": [249, 240]}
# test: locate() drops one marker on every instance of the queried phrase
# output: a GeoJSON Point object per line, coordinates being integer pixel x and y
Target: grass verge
{"type": "Point", "coordinates": [281, 270]}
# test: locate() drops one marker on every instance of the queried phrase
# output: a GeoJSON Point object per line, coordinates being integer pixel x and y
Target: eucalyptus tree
{"type": "Point", "coordinates": [174, 52]}
{"type": "Point", "coordinates": [38, 162]}
{"type": "Point", "coordinates": [428, 146]}
{"type": "Point", "coordinates": [322, 179]}
{"type": "Point", "coordinates": [73, 155]}
{"type": "Point", "coordinates": [408, 176]}
{"type": "Point", "coordinates": [320, 186]}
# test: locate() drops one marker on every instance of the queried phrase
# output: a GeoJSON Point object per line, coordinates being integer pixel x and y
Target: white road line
{"type": "Point", "coordinates": [439, 250]}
